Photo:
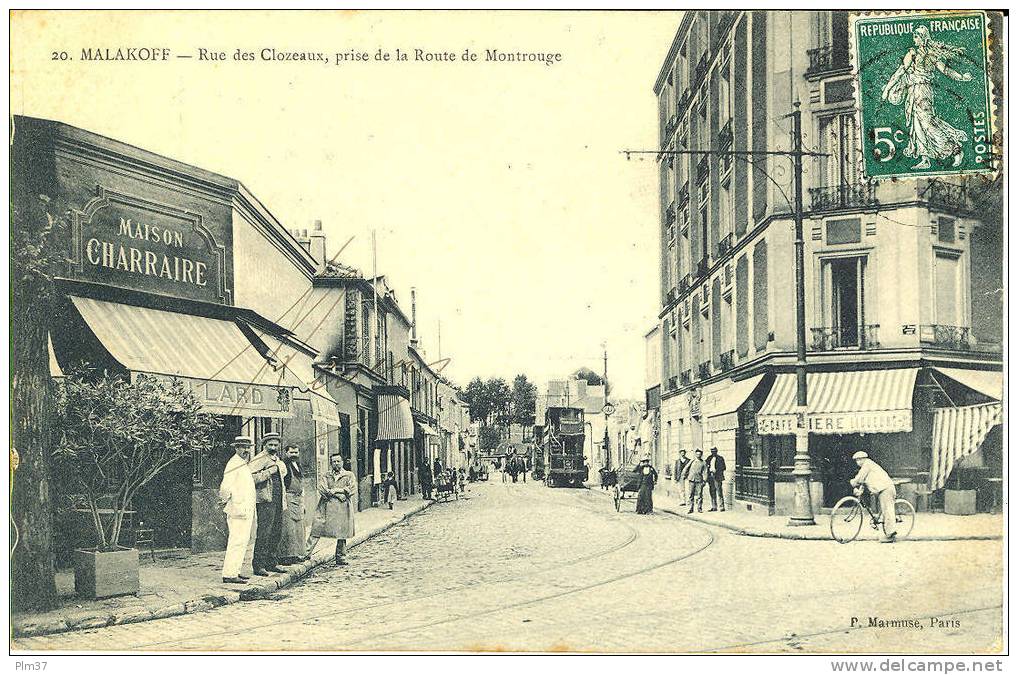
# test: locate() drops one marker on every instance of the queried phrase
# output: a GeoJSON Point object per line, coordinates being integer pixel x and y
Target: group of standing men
{"type": "Point", "coordinates": [693, 473]}
{"type": "Point", "coordinates": [263, 498]}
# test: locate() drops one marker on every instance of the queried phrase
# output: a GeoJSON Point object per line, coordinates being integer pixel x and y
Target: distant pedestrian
{"type": "Point", "coordinates": [269, 473]}
{"type": "Point", "coordinates": [237, 495]}
{"type": "Point", "coordinates": [680, 469]}
{"type": "Point", "coordinates": [647, 476]}
{"type": "Point", "coordinates": [424, 475]}
{"type": "Point", "coordinates": [695, 474]}
{"type": "Point", "coordinates": [390, 490]}
{"type": "Point", "coordinates": [437, 468]}
{"type": "Point", "coordinates": [463, 480]}
{"type": "Point", "coordinates": [873, 477]}
{"type": "Point", "coordinates": [293, 539]}
{"type": "Point", "coordinates": [716, 479]}
{"type": "Point", "coordinates": [334, 515]}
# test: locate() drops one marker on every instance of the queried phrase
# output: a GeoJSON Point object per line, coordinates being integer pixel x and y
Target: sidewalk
{"type": "Point", "coordinates": [928, 526]}
{"type": "Point", "coordinates": [181, 583]}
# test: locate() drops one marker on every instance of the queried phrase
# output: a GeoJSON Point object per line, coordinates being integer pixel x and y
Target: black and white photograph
{"type": "Point", "coordinates": [491, 332]}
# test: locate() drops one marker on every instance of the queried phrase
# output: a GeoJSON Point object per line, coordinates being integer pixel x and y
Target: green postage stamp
{"type": "Point", "coordinates": [924, 93]}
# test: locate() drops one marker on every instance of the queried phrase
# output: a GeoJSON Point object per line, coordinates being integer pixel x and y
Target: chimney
{"type": "Point", "coordinates": [317, 246]}
{"type": "Point", "coordinates": [302, 238]}
{"type": "Point", "coordinates": [413, 318]}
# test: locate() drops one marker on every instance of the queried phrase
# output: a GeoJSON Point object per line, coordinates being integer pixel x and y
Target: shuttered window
{"type": "Point", "coordinates": [742, 306]}
{"type": "Point", "coordinates": [760, 316]}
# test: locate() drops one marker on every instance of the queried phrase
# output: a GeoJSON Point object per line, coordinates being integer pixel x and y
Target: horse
{"type": "Point", "coordinates": [514, 466]}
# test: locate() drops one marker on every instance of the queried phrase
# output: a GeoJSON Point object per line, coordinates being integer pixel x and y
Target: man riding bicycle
{"type": "Point", "coordinates": [873, 477]}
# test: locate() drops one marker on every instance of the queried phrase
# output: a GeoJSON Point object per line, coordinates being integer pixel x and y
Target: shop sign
{"type": "Point", "coordinates": [130, 242]}
{"type": "Point", "coordinates": [236, 398]}
{"type": "Point", "coordinates": [723, 422]}
{"type": "Point", "coordinates": [867, 422]}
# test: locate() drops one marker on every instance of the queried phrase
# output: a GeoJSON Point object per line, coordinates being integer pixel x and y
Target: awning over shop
{"type": "Point", "coordinates": [987, 382]}
{"type": "Point", "coordinates": [725, 416]}
{"type": "Point", "coordinates": [853, 402]}
{"type": "Point", "coordinates": [428, 429]}
{"type": "Point", "coordinates": [214, 357]}
{"type": "Point", "coordinates": [297, 369]}
{"type": "Point", "coordinates": [958, 432]}
{"type": "Point", "coordinates": [395, 420]}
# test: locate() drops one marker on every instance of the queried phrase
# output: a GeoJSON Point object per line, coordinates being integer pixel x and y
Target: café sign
{"type": "Point", "coordinates": [864, 422]}
{"type": "Point", "coordinates": [130, 242]}
{"type": "Point", "coordinates": [243, 399]}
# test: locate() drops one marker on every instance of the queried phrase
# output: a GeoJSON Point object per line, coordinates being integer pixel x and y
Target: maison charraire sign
{"type": "Point", "coordinates": [125, 241]}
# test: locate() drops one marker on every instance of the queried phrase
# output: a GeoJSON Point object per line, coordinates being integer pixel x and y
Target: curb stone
{"type": "Point", "coordinates": [204, 602]}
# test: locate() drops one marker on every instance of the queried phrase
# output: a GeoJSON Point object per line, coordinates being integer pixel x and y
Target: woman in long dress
{"type": "Point", "coordinates": [334, 515]}
{"type": "Point", "coordinates": [929, 135]}
{"type": "Point", "coordinates": [647, 476]}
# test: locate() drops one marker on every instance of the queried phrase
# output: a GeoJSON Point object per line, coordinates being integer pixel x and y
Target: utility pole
{"type": "Point", "coordinates": [607, 448]}
{"type": "Point", "coordinates": [802, 511]}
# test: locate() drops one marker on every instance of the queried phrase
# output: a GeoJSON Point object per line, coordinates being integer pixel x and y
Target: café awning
{"type": "Point", "coordinates": [296, 368]}
{"type": "Point", "coordinates": [958, 432]}
{"type": "Point", "coordinates": [987, 382]}
{"type": "Point", "coordinates": [395, 419]}
{"type": "Point", "coordinates": [212, 356]}
{"type": "Point", "coordinates": [851, 402]}
{"type": "Point", "coordinates": [725, 416]}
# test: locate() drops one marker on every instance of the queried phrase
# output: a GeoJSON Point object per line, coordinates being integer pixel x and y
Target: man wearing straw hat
{"type": "Point", "coordinates": [237, 495]}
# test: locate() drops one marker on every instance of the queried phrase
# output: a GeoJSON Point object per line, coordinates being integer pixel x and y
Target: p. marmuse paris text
{"type": "Point", "coordinates": [912, 624]}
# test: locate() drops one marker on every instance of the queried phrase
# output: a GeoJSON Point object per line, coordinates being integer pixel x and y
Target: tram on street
{"type": "Point", "coordinates": [562, 447]}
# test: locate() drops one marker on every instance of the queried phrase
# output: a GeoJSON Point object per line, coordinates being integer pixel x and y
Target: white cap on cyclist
{"type": "Point", "coordinates": [860, 455]}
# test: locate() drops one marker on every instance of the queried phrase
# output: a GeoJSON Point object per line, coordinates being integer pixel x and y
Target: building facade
{"type": "Point", "coordinates": [902, 320]}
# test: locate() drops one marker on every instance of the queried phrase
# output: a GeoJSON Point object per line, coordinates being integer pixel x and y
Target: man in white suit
{"type": "Point", "coordinates": [237, 494]}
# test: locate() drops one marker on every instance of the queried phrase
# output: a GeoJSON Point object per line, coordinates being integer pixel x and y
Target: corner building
{"type": "Point", "coordinates": [904, 329]}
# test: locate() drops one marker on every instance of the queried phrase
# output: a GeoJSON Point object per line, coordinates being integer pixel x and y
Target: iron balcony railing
{"type": "Point", "coordinates": [673, 383]}
{"type": "Point", "coordinates": [725, 136]}
{"type": "Point", "coordinates": [952, 337]}
{"type": "Point", "coordinates": [727, 360]}
{"type": "Point", "coordinates": [703, 370]}
{"type": "Point", "coordinates": [946, 196]}
{"type": "Point", "coordinates": [701, 267]}
{"type": "Point", "coordinates": [683, 194]}
{"type": "Point", "coordinates": [844, 196]}
{"type": "Point", "coordinates": [684, 283]}
{"type": "Point", "coordinates": [686, 377]}
{"type": "Point", "coordinates": [701, 68]}
{"type": "Point", "coordinates": [864, 336]}
{"type": "Point", "coordinates": [826, 59]}
{"type": "Point", "coordinates": [702, 169]}
{"type": "Point", "coordinates": [725, 245]}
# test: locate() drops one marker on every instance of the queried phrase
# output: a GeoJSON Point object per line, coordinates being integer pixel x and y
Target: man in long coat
{"type": "Point", "coordinates": [269, 472]}
{"type": "Point", "coordinates": [237, 495]}
{"type": "Point", "coordinates": [334, 515]}
{"type": "Point", "coordinates": [293, 540]}
{"type": "Point", "coordinates": [696, 475]}
{"type": "Point", "coordinates": [716, 479]}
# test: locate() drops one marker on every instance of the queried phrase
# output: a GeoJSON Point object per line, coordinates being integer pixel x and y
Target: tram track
{"type": "Point", "coordinates": [632, 536]}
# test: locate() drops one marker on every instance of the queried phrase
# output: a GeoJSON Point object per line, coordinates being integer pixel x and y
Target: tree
{"type": "Point", "coordinates": [36, 257]}
{"type": "Point", "coordinates": [524, 401]}
{"type": "Point", "coordinates": [499, 396]}
{"type": "Point", "coordinates": [117, 435]}
{"type": "Point", "coordinates": [592, 378]}
{"type": "Point", "coordinates": [476, 398]}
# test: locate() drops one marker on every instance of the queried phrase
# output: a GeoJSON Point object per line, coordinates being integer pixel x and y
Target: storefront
{"type": "Point", "coordinates": [395, 439]}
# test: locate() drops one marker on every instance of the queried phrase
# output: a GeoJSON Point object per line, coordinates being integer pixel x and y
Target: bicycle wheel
{"type": "Point", "coordinates": [618, 499]}
{"type": "Point", "coordinates": [846, 519]}
{"type": "Point", "coordinates": [904, 516]}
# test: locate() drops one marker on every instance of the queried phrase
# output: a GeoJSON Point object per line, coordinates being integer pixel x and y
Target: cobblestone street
{"type": "Point", "coordinates": [524, 567]}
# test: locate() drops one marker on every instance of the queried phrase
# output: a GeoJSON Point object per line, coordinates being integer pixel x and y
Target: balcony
{"type": "Point", "coordinates": [684, 194]}
{"type": "Point", "coordinates": [703, 370]}
{"type": "Point", "coordinates": [826, 60]}
{"type": "Point", "coordinates": [844, 196]}
{"type": "Point", "coordinates": [945, 196]}
{"type": "Point", "coordinates": [827, 339]}
{"type": "Point", "coordinates": [703, 169]}
{"type": "Point", "coordinates": [701, 268]}
{"type": "Point", "coordinates": [673, 383]}
{"type": "Point", "coordinates": [949, 337]}
{"type": "Point", "coordinates": [725, 136]}
{"type": "Point", "coordinates": [670, 126]}
{"type": "Point", "coordinates": [701, 68]}
{"type": "Point", "coordinates": [671, 296]}
{"type": "Point", "coordinates": [683, 100]}
{"type": "Point", "coordinates": [685, 282]}
{"type": "Point", "coordinates": [686, 377]}
{"type": "Point", "coordinates": [727, 360]}
{"type": "Point", "coordinates": [725, 245]}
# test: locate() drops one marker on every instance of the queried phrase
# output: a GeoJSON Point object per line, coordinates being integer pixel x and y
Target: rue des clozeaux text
{"type": "Point", "coordinates": [300, 57]}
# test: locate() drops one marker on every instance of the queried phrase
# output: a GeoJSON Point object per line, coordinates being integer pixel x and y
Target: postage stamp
{"type": "Point", "coordinates": [924, 93]}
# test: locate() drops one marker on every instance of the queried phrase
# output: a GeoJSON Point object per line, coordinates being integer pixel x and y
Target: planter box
{"type": "Point", "coordinates": [103, 574]}
{"type": "Point", "coordinates": [960, 502]}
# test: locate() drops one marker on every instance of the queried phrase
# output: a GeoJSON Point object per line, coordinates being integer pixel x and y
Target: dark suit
{"type": "Point", "coordinates": [716, 480]}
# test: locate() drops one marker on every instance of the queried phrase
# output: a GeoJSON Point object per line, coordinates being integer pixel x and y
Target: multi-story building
{"type": "Point", "coordinates": [901, 277]}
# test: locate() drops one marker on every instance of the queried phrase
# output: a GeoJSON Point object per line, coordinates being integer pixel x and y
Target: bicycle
{"type": "Point", "coordinates": [847, 518]}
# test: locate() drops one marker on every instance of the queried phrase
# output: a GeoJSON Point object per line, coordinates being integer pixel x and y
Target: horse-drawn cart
{"type": "Point", "coordinates": [624, 484]}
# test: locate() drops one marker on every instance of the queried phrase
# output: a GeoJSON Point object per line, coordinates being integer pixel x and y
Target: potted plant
{"type": "Point", "coordinates": [114, 436]}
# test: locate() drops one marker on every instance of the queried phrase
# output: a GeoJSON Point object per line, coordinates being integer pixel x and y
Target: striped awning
{"type": "Point", "coordinates": [853, 402]}
{"type": "Point", "coordinates": [958, 432]}
{"type": "Point", "coordinates": [395, 419]}
{"type": "Point", "coordinates": [222, 367]}
{"type": "Point", "coordinates": [724, 415]}
{"type": "Point", "coordinates": [987, 382]}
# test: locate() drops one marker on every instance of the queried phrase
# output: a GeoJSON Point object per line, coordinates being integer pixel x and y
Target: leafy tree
{"type": "Point", "coordinates": [476, 398]}
{"type": "Point", "coordinates": [500, 397]}
{"type": "Point", "coordinates": [592, 378]}
{"type": "Point", "coordinates": [489, 438]}
{"type": "Point", "coordinates": [524, 401]}
{"type": "Point", "coordinates": [117, 435]}
{"type": "Point", "coordinates": [36, 257]}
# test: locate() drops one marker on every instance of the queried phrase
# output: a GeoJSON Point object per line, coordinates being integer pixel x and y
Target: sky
{"type": "Point", "coordinates": [497, 190]}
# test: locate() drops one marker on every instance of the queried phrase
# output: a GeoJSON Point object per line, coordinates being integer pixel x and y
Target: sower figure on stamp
{"type": "Point", "coordinates": [334, 515]}
{"type": "Point", "coordinates": [293, 539]}
{"type": "Point", "coordinates": [929, 135]}
{"type": "Point", "coordinates": [237, 494]}
{"type": "Point", "coordinates": [716, 479]}
{"type": "Point", "coordinates": [269, 472]}
{"type": "Point", "coordinates": [696, 475]}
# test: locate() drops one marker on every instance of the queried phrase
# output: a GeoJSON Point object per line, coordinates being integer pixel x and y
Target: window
{"type": "Point", "coordinates": [725, 210]}
{"type": "Point", "coordinates": [839, 139]}
{"type": "Point", "coordinates": [947, 297]}
{"type": "Point", "coordinates": [724, 94]}
{"type": "Point", "coordinates": [844, 299]}
{"type": "Point", "coordinates": [761, 324]}
{"type": "Point", "coordinates": [742, 306]}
